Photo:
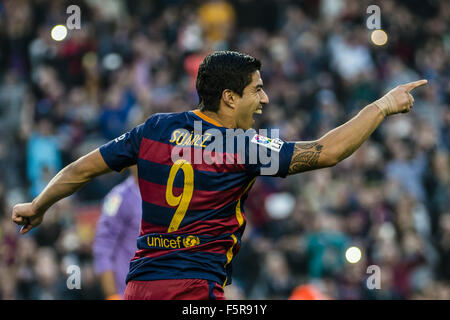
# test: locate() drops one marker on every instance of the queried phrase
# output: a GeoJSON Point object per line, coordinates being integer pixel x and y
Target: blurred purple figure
{"type": "Point", "coordinates": [116, 234]}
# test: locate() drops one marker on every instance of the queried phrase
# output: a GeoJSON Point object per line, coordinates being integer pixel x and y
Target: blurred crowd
{"type": "Point", "coordinates": [129, 59]}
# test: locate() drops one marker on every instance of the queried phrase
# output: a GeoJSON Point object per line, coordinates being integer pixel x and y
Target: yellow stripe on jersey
{"type": "Point", "coordinates": [240, 220]}
{"type": "Point", "coordinates": [230, 255]}
{"type": "Point", "coordinates": [239, 216]}
{"type": "Point", "coordinates": [230, 251]}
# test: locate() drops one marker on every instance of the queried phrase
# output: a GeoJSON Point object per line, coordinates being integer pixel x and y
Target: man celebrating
{"type": "Point", "coordinates": [193, 211]}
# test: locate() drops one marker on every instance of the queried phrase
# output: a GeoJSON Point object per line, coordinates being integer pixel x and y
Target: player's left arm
{"type": "Point", "coordinates": [337, 144]}
{"type": "Point", "coordinates": [342, 141]}
{"type": "Point", "coordinates": [66, 182]}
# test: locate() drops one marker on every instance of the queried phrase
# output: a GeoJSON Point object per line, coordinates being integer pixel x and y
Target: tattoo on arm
{"type": "Point", "coordinates": [305, 157]}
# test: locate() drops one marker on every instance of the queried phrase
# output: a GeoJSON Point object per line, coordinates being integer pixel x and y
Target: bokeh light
{"type": "Point", "coordinates": [59, 32]}
{"type": "Point", "coordinates": [379, 37]}
{"type": "Point", "coordinates": [353, 254]}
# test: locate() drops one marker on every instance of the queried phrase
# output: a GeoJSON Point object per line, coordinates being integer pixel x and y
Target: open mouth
{"type": "Point", "coordinates": [258, 111]}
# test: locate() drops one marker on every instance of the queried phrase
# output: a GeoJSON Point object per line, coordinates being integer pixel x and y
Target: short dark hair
{"type": "Point", "coordinates": [223, 70]}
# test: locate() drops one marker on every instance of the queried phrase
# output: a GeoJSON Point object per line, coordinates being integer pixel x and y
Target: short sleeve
{"type": "Point", "coordinates": [268, 156]}
{"type": "Point", "coordinates": [123, 151]}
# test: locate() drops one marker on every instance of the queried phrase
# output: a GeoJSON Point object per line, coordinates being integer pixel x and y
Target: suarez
{"type": "Point", "coordinates": [195, 169]}
{"type": "Point", "coordinates": [192, 199]}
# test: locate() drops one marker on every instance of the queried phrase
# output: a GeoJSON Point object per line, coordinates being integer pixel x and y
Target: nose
{"type": "Point", "coordinates": [264, 98]}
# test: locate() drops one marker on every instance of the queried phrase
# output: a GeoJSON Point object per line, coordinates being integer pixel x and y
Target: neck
{"type": "Point", "coordinates": [221, 117]}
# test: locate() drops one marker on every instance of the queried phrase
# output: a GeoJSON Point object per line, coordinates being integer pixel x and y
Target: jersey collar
{"type": "Point", "coordinates": [204, 117]}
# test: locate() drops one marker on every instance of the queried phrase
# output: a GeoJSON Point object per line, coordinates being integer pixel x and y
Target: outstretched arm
{"type": "Point", "coordinates": [342, 141]}
{"type": "Point", "coordinates": [65, 183]}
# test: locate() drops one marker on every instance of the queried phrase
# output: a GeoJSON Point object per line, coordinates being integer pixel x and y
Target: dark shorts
{"type": "Point", "coordinates": [174, 289]}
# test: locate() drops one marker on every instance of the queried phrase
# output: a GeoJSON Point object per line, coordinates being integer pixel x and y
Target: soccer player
{"type": "Point", "coordinates": [193, 211]}
{"type": "Point", "coordinates": [116, 234]}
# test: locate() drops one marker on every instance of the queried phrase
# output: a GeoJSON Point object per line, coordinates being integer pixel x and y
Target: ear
{"type": "Point", "coordinates": [228, 97]}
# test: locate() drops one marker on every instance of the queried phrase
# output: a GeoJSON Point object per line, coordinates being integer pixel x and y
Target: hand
{"type": "Point", "coordinates": [399, 99]}
{"type": "Point", "coordinates": [26, 215]}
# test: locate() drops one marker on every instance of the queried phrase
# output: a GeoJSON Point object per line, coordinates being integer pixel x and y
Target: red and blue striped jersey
{"type": "Point", "coordinates": [194, 177]}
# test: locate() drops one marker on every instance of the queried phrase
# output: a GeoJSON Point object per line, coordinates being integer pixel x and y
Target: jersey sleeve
{"type": "Point", "coordinates": [123, 151]}
{"type": "Point", "coordinates": [268, 156]}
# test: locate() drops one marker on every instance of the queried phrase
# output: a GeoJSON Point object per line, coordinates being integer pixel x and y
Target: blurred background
{"type": "Point", "coordinates": [61, 99]}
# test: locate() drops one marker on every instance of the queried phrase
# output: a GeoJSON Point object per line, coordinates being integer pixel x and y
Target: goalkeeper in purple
{"type": "Point", "coordinates": [194, 178]}
{"type": "Point", "coordinates": [115, 236]}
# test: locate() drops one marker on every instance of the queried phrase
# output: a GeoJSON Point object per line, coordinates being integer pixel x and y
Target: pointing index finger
{"type": "Point", "coordinates": [412, 85]}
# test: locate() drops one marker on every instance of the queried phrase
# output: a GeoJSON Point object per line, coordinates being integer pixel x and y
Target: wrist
{"type": "Point", "coordinates": [386, 105]}
{"type": "Point", "coordinates": [379, 110]}
{"type": "Point", "coordinates": [36, 207]}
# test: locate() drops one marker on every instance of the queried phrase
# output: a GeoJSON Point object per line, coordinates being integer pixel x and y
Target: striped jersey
{"type": "Point", "coordinates": [194, 177]}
